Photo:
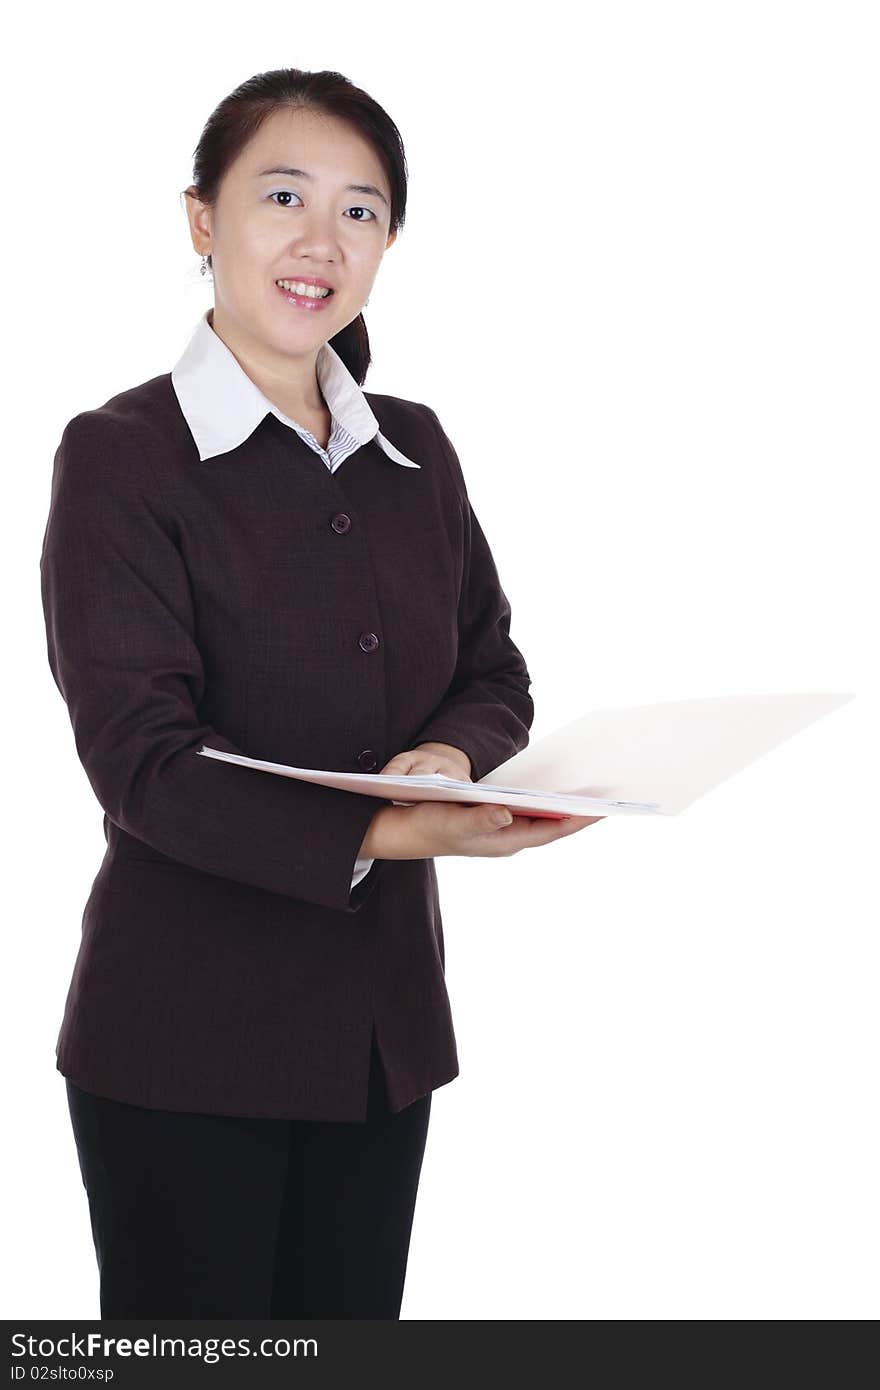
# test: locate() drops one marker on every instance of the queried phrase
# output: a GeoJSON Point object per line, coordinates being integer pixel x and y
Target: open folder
{"type": "Point", "coordinates": [634, 761]}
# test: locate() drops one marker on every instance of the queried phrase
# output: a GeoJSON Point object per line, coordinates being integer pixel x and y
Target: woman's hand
{"type": "Point", "coordinates": [432, 828]}
{"type": "Point", "coordinates": [428, 829]}
{"type": "Point", "coordinates": [428, 758]}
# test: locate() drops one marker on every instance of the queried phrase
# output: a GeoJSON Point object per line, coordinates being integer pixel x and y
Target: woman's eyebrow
{"type": "Point", "coordinates": [302, 174]}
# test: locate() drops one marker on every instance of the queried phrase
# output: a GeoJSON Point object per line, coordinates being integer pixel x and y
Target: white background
{"type": "Point", "coordinates": [638, 283]}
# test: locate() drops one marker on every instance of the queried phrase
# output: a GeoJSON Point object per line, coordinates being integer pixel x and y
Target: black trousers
{"type": "Point", "coordinates": [217, 1216]}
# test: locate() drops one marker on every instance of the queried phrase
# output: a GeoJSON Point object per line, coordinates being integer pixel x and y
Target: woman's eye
{"type": "Point", "coordinates": [288, 193]}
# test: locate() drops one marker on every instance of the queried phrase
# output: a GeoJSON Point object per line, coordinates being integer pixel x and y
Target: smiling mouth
{"type": "Point", "coordinates": [302, 289]}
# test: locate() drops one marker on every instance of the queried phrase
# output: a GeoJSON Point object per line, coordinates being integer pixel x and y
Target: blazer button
{"type": "Point", "coordinates": [367, 760]}
{"type": "Point", "coordinates": [368, 641]}
{"type": "Point", "coordinates": [341, 523]}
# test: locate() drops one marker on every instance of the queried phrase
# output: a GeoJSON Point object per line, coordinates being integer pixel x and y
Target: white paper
{"type": "Point", "coordinates": [635, 760]}
{"type": "Point", "coordinates": [671, 753]}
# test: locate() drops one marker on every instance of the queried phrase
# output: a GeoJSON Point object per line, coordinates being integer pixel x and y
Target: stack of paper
{"type": "Point", "coordinates": [637, 760]}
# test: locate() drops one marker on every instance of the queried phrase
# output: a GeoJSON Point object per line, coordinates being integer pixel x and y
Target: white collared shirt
{"type": "Point", "coordinates": [222, 407]}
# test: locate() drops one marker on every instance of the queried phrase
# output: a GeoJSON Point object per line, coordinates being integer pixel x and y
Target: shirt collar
{"type": "Point", "coordinates": [222, 405]}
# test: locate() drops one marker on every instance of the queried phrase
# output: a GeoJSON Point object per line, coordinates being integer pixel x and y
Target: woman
{"type": "Point", "coordinates": [250, 553]}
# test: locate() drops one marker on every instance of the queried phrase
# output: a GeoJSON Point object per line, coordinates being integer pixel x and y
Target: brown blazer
{"type": "Point", "coordinates": [258, 603]}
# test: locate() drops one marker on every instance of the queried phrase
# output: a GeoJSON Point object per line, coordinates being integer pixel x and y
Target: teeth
{"type": "Point", "coordinates": [299, 287]}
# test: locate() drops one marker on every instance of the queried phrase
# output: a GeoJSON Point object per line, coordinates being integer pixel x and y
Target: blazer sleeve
{"type": "Point", "coordinates": [487, 710]}
{"type": "Point", "coordinates": [119, 621]}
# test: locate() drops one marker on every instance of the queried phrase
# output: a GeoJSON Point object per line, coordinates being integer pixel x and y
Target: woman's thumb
{"type": "Point", "coordinates": [496, 816]}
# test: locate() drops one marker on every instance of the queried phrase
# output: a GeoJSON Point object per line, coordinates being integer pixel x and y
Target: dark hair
{"type": "Point", "coordinates": [239, 116]}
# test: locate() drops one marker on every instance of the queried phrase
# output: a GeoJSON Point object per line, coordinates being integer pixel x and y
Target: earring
{"type": "Point", "coordinates": [204, 269]}
{"type": "Point", "coordinates": [366, 301]}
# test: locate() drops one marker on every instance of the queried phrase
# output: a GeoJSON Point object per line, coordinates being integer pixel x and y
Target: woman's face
{"type": "Point", "coordinates": [330, 220]}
